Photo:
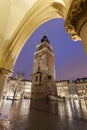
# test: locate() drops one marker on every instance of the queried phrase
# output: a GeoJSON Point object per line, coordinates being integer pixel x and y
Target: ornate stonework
{"type": "Point", "coordinates": [5, 71]}
{"type": "Point", "coordinates": [76, 17]}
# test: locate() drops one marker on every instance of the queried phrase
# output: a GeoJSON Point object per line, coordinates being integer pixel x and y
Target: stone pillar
{"type": "Point", "coordinates": [4, 74]}
{"type": "Point", "coordinates": [76, 21]}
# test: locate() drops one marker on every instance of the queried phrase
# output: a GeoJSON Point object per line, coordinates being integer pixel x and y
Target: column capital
{"type": "Point", "coordinates": [76, 18]}
{"type": "Point", "coordinates": [7, 61]}
{"type": "Point", "coordinates": [5, 71]}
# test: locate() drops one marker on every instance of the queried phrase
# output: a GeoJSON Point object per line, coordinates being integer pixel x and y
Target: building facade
{"type": "Point", "coordinates": [66, 88]}
{"type": "Point", "coordinates": [81, 85]}
{"type": "Point", "coordinates": [72, 89]}
{"type": "Point", "coordinates": [43, 76]}
{"type": "Point", "coordinates": [17, 89]}
{"type": "Point", "coordinates": [27, 89]}
{"type": "Point", "coordinates": [62, 88]}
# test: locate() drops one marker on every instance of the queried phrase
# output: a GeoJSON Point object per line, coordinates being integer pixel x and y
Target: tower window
{"type": "Point", "coordinates": [40, 78]}
{"type": "Point", "coordinates": [49, 77]}
{"type": "Point", "coordinates": [36, 78]}
{"type": "Point", "coordinates": [39, 56]}
{"type": "Point", "coordinates": [38, 68]}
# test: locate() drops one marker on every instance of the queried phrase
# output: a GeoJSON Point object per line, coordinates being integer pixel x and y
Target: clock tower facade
{"type": "Point", "coordinates": [43, 76]}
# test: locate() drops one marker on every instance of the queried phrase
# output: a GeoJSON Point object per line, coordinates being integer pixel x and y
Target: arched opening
{"type": "Point", "coordinates": [32, 20]}
{"type": "Point", "coordinates": [68, 54]}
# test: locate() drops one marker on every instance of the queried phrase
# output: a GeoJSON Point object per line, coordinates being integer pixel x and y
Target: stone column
{"type": "Point", "coordinates": [4, 74]}
{"type": "Point", "coordinates": [76, 21]}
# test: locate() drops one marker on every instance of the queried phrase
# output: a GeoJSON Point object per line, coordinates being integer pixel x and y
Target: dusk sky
{"type": "Point", "coordinates": [70, 57]}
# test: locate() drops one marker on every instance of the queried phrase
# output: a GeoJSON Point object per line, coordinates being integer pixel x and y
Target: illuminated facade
{"type": "Point", "coordinates": [67, 88]}
{"type": "Point", "coordinates": [16, 89]}
{"type": "Point", "coordinates": [43, 76]}
{"type": "Point", "coordinates": [62, 88]}
{"type": "Point", "coordinates": [27, 89]}
{"type": "Point", "coordinates": [81, 85]}
{"type": "Point", "coordinates": [72, 89]}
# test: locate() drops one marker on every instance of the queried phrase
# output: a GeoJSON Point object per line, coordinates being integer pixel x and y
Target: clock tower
{"type": "Point", "coordinates": [43, 75]}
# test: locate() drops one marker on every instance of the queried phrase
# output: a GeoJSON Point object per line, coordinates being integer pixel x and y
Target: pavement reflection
{"type": "Point", "coordinates": [44, 115]}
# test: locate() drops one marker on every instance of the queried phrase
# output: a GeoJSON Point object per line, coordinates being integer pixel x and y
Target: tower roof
{"type": "Point", "coordinates": [45, 38]}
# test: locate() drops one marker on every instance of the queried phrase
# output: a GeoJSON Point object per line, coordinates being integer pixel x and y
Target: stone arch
{"type": "Point", "coordinates": [32, 20]}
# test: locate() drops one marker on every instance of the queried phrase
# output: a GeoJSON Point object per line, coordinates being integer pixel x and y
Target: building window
{"type": "Point", "coordinates": [49, 77]}
{"type": "Point", "coordinates": [39, 56]}
{"type": "Point", "coordinates": [40, 78]}
{"type": "Point", "coordinates": [83, 91]}
{"type": "Point", "coordinates": [36, 78]}
{"type": "Point", "coordinates": [38, 68]}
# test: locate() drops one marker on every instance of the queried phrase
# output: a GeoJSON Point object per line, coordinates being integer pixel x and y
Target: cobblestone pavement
{"type": "Point", "coordinates": [45, 115]}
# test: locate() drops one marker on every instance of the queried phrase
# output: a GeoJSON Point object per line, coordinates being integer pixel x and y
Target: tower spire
{"type": "Point", "coordinates": [45, 38]}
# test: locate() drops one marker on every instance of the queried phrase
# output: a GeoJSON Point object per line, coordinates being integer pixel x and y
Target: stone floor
{"type": "Point", "coordinates": [45, 115]}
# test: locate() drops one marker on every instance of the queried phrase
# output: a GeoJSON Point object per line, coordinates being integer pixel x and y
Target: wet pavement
{"type": "Point", "coordinates": [44, 115]}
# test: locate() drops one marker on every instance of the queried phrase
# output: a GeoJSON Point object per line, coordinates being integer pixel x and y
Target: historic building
{"type": "Point", "coordinates": [81, 85]}
{"type": "Point", "coordinates": [17, 89]}
{"type": "Point", "coordinates": [67, 89]}
{"type": "Point", "coordinates": [19, 19]}
{"type": "Point", "coordinates": [43, 76]}
{"type": "Point", "coordinates": [72, 89]}
{"type": "Point", "coordinates": [62, 88]}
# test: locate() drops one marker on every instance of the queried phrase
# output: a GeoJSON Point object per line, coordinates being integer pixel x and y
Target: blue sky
{"type": "Point", "coordinates": [70, 57]}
